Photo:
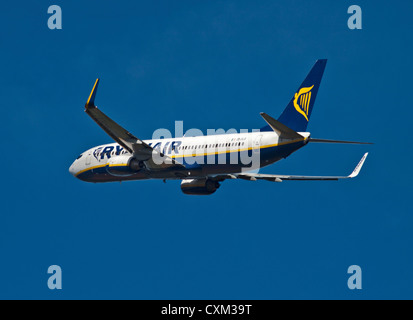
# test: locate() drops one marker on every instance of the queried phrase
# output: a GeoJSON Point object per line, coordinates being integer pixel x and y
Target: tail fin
{"type": "Point", "coordinates": [298, 112]}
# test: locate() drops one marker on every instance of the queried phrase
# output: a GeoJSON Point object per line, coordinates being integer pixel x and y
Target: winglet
{"type": "Point", "coordinates": [358, 168]}
{"type": "Point", "coordinates": [91, 101]}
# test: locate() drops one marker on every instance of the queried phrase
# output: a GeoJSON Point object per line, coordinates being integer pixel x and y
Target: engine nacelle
{"type": "Point", "coordinates": [123, 165]}
{"type": "Point", "coordinates": [199, 186]}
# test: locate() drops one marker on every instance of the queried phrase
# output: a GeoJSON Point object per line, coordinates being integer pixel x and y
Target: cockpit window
{"type": "Point", "coordinates": [79, 157]}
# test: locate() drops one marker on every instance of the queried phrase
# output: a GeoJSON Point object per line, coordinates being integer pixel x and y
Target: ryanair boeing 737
{"type": "Point", "coordinates": [202, 163]}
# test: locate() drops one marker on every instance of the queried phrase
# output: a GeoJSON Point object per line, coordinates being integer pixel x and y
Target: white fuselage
{"type": "Point", "coordinates": [201, 156]}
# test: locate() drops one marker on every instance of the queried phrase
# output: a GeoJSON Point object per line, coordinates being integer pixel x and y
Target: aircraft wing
{"type": "Point", "coordinates": [280, 178]}
{"type": "Point", "coordinates": [141, 150]}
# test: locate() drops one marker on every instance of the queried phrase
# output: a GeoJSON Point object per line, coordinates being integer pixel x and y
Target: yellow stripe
{"type": "Point", "coordinates": [309, 99]}
{"type": "Point", "coordinates": [305, 102]}
{"type": "Point", "coordinates": [95, 167]}
{"type": "Point", "coordinates": [119, 165]}
{"type": "Point", "coordinates": [91, 93]}
{"type": "Point", "coordinates": [103, 165]}
{"type": "Point", "coordinates": [204, 154]}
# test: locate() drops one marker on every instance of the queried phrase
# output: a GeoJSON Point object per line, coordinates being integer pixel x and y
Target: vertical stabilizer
{"type": "Point", "coordinates": [298, 112]}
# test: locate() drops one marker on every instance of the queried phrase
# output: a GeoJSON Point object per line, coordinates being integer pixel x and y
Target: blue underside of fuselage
{"type": "Point", "coordinates": [199, 166]}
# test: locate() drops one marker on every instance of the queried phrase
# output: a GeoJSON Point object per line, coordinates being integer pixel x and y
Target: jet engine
{"type": "Point", "coordinates": [124, 165]}
{"type": "Point", "coordinates": [199, 186]}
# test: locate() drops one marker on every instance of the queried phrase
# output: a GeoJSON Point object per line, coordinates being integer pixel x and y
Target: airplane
{"type": "Point", "coordinates": [202, 163]}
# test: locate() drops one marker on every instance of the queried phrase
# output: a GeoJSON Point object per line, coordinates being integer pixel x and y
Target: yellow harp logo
{"type": "Point", "coordinates": [302, 101]}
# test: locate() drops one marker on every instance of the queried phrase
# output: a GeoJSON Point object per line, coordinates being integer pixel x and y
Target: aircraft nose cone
{"type": "Point", "coordinates": [72, 169]}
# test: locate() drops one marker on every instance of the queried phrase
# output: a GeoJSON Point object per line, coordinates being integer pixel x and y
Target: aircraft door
{"type": "Point", "coordinates": [257, 144]}
{"type": "Point", "coordinates": [88, 159]}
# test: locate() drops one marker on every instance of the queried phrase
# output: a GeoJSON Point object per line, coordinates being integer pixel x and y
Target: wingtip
{"type": "Point", "coordinates": [91, 101]}
{"type": "Point", "coordinates": [357, 170]}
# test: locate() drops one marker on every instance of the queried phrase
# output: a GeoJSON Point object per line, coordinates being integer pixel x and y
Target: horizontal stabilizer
{"type": "Point", "coordinates": [337, 141]}
{"type": "Point", "coordinates": [282, 130]}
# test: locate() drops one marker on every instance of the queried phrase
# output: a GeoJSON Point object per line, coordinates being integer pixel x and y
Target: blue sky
{"type": "Point", "coordinates": [213, 64]}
